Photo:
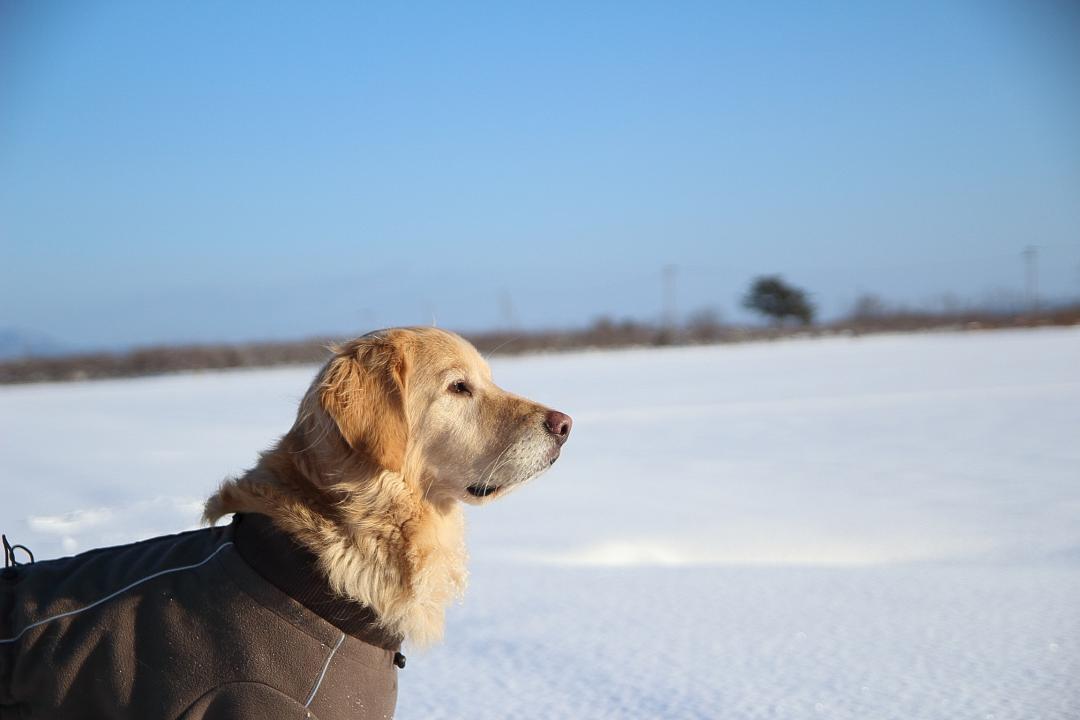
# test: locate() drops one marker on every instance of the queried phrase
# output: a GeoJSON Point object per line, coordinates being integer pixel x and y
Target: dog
{"type": "Point", "coordinates": [346, 540]}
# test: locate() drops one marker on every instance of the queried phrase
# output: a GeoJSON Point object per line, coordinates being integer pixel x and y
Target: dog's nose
{"type": "Point", "coordinates": [558, 424]}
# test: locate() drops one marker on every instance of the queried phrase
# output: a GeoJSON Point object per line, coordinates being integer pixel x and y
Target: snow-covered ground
{"type": "Point", "coordinates": [885, 527]}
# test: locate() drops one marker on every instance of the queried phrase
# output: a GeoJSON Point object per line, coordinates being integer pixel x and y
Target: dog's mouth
{"type": "Point", "coordinates": [481, 490]}
{"type": "Point", "coordinates": [487, 489]}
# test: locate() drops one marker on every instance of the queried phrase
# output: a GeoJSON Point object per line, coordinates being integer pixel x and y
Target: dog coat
{"type": "Point", "coordinates": [226, 622]}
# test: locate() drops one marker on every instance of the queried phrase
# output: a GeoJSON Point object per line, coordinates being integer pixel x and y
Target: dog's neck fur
{"type": "Point", "coordinates": [377, 538]}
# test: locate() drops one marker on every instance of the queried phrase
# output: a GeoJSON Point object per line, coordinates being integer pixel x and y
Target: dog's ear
{"type": "Point", "coordinates": [363, 390]}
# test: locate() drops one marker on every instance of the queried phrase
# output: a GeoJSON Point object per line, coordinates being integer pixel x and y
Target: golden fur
{"type": "Point", "coordinates": [397, 429]}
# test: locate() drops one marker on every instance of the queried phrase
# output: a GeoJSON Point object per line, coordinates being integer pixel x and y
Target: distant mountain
{"type": "Point", "coordinates": [17, 343]}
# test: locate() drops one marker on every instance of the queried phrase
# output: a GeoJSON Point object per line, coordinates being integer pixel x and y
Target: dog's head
{"type": "Point", "coordinates": [421, 402]}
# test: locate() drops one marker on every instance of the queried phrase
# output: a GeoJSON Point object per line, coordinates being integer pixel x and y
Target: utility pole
{"type": "Point", "coordinates": [670, 276]}
{"type": "Point", "coordinates": [1031, 276]}
{"type": "Point", "coordinates": [506, 311]}
{"type": "Point", "coordinates": [429, 312]}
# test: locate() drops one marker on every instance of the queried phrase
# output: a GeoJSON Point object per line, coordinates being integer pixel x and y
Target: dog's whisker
{"type": "Point", "coordinates": [500, 346]}
{"type": "Point", "coordinates": [488, 470]}
{"type": "Point", "coordinates": [496, 465]}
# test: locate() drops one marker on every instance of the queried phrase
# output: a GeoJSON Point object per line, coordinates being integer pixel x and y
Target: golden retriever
{"type": "Point", "coordinates": [398, 429]}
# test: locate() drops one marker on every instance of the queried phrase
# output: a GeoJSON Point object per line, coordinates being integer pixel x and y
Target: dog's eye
{"type": "Point", "coordinates": [460, 388]}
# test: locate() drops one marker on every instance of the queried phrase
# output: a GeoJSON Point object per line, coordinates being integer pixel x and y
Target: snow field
{"type": "Point", "coordinates": [878, 527]}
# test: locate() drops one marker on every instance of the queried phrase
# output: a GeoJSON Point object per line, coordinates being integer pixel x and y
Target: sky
{"type": "Point", "coordinates": [203, 171]}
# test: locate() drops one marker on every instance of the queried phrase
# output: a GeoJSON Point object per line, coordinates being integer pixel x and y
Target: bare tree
{"type": "Point", "coordinates": [868, 307]}
{"type": "Point", "coordinates": [705, 324]}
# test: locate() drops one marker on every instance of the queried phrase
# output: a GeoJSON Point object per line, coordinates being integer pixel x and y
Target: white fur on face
{"type": "Point", "coordinates": [479, 444]}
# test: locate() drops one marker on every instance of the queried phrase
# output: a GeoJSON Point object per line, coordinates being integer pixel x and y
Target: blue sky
{"type": "Point", "coordinates": [215, 171]}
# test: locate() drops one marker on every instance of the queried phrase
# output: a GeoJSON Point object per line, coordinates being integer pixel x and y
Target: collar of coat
{"type": "Point", "coordinates": [292, 569]}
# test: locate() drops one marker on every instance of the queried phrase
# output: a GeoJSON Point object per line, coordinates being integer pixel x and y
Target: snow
{"type": "Point", "coordinates": [877, 527]}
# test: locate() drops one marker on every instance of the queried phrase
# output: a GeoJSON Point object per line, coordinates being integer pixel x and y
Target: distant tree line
{"type": "Point", "coordinates": [787, 307]}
